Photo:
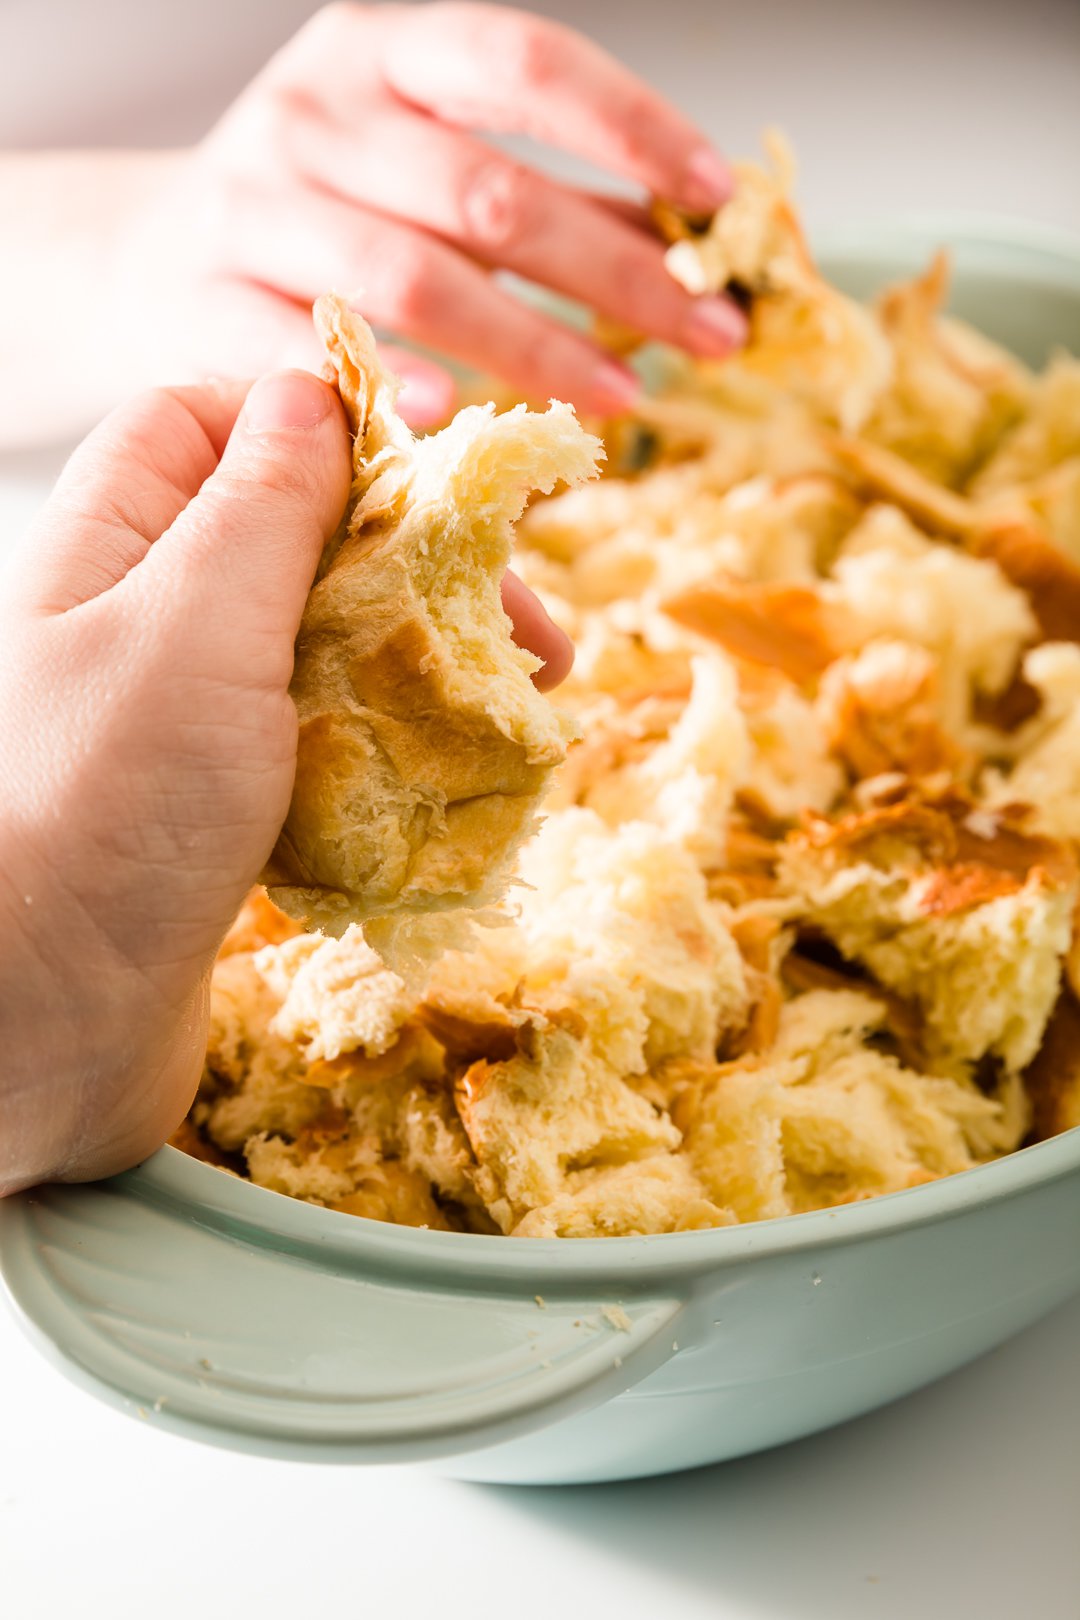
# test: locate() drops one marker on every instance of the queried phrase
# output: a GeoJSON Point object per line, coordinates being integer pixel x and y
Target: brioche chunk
{"type": "Point", "coordinates": [424, 748]}
{"type": "Point", "coordinates": [804, 334]}
{"type": "Point", "coordinates": [954, 909]}
{"type": "Point", "coordinates": [555, 1109]}
{"type": "Point", "coordinates": [824, 1118]}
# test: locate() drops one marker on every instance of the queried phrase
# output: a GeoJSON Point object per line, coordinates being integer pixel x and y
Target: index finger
{"type": "Point", "coordinates": [491, 67]}
{"type": "Point", "coordinates": [535, 630]}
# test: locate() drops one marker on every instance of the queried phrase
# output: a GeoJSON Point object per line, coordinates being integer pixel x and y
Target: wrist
{"type": "Point", "coordinates": [35, 1119]}
{"type": "Point", "coordinates": [98, 1070]}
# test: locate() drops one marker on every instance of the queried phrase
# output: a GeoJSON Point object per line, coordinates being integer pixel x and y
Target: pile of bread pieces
{"type": "Point", "coordinates": [777, 910]}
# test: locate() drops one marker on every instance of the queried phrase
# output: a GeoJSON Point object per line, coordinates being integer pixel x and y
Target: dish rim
{"type": "Point", "coordinates": [172, 1178]}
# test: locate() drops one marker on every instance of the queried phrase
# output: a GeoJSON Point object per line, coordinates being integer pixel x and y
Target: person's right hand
{"type": "Point", "coordinates": [349, 164]}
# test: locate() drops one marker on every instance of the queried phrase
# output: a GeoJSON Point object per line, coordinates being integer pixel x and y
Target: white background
{"type": "Point", "coordinates": [958, 1502]}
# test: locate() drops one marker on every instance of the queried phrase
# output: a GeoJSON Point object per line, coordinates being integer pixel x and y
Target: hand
{"type": "Point", "coordinates": [348, 165]}
{"type": "Point", "coordinates": [148, 749]}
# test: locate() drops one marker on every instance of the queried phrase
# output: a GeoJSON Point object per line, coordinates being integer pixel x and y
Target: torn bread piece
{"type": "Point", "coordinates": [1045, 771]}
{"type": "Point", "coordinates": [392, 1151]}
{"type": "Point", "coordinates": [551, 1111]}
{"type": "Point", "coordinates": [888, 580]}
{"type": "Point", "coordinates": [424, 747]}
{"type": "Point", "coordinates": [804, 334]}
{"type": "Point", "coordinates": [955, 908]}
{"type": "Point", "coordinates": [336, 995]}
{"type": "Point", "coordinates": [881, 712]}
{"type": "Point", "coordinates": [615, 934]}
{"type": "Point", "coordinates": [953, 393]}
{"type": "Point", "coordinates": [1047, 436]}
{"type": "Point", "coordinates": [661, 1193]}
{"type": "Point", "coordinates": [1032, 480]}
{"type": "Point", "coordinates": [1053, 1080]}
{"type": "Point", "coordinates": [685, 782]}
{"type": "Point", "coordinates": [824, 1118]}
{"type": "Point", "coordinates": [316, 1085]}
{"type": "Point", "coordinates": [621, 921]}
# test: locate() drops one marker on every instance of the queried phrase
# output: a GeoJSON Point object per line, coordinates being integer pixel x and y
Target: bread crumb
{"type": "Point", "coordinates": [617, 1317]}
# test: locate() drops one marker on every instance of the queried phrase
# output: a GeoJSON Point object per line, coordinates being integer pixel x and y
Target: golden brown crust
{"type": "Point", "coordinates": [1053, 1080]}
{"type": "Point", "coordinates": [884, 714]}
{"type": "Point", "coordinates": [882, 473]}
{"type": "Point", "coordinates": [1032, 561]}
{"type": "Point", "coordinates": [785, 627]}
{"type": "Point", "coordinates": [968, 865]}
{"type": "Point", "coordinates": [258, 923]}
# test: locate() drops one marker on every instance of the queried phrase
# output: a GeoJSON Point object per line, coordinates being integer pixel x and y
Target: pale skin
{"type": "Point", "coordinates": [146, 634]}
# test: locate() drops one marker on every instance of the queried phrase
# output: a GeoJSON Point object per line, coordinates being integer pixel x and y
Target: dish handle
{"type": "Point", "coordinates": [325, 1355]}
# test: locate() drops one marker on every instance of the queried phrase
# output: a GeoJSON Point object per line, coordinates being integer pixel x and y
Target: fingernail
{"type": "Point", "coordinates": [615, 387]}
{"type": "Point", "coordinates": [558, 663]}
{"type": "Point", "coordinates": [709, 181]}
{"type": "Point", "coordinates": [715, 326]}
{"type": "Point", "coordinates": [424, 402]}
{"type": "Point", "coordinates": [287, 399]}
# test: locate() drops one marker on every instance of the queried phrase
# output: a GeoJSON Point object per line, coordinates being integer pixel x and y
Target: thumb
{"type": "Point", "coordinates": [241, 556]}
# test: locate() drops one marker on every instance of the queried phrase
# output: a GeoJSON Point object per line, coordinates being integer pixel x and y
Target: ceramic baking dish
{"type": "Point", "coordinates": [219, 1310]}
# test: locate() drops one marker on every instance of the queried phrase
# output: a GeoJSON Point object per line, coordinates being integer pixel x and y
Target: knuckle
{"type": "Point", "coordinates": [259, 135]}
{"type": "Point", "coordinates": [152, 405]}
{"type": "Point", "coordinates": [286, 107]}
{"type": "Point", "coordinates": [406, 291]}
{"type": "Point", "coordinates": [137, 427]}
{"type": "Point", "coordinates": [328, 24]}
{"type": "Point", "coordinates": [261, 476]}
{"type": "Point", "coordinates": [537, 352]}
{"type": "Point", "coordinates": [286, 478]}
{"type": "Point", "coordinates": [498, 205]}
{"type": "Point", "coordinates": [637, 128]}
{"type": "Point", "coordinates": [533, 55]}
{"type": "Point", "coordinates": [643, 289]}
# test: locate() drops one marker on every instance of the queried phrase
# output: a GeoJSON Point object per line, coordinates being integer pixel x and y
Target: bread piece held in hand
{"type": "Point", "coordinates": [424, 747]}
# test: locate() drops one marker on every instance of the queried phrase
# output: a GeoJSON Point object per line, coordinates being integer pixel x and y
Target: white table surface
{"type": "Point", "coordinates": [961, 1501]}
{"type": "Point", "coordinates": [956, 1503]}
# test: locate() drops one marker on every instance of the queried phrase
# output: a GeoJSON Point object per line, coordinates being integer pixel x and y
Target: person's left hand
{"type": "Point", "coordinates": [149, 747]}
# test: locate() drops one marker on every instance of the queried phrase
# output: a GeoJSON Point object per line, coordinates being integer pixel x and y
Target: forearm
{"type": "Point", "coordinates": [64, 354]}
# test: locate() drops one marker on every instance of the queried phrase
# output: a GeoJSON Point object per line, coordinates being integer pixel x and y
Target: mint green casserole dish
{"type": "Point", "coordinates": [224, 1312]}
